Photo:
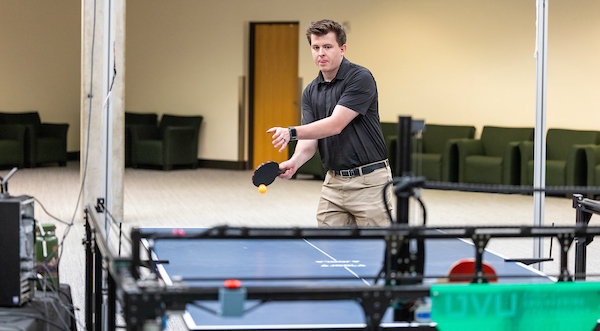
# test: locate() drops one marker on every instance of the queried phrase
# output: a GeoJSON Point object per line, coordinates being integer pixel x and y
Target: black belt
{"type": "Point", "coordinates": [361, 170]}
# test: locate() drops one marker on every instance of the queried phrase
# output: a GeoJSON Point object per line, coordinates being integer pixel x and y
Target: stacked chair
{"type": "Point", "coordinates": [174, 142]}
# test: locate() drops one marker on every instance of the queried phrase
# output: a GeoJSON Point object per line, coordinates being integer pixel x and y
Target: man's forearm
{"type": "Point", "coordinates": [305, 149]}
{"type": "Point", "coordinates": [327, 127]}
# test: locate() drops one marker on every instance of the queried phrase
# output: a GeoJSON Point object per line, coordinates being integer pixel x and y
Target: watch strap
{"type": "Point", "coordinates": [293, 133]}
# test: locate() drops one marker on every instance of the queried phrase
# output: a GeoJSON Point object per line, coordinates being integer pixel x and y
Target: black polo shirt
{"type": "Point", "coordinates": [359, 143]}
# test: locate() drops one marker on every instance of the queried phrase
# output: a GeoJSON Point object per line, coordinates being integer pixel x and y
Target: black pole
{"type": "Point", "coordinates": [89, 274]}
{"type": "Point", "coordinates": [409, 258]}
{"type": "Point", "coordinates": [403, 164]}
{"type": "Point", "coordinates": [97, 288]}
{"type": "Point", "coordinates": [112, 303]}
{"type": "Point", "coordinates": [136, 237]}
{"type": "Point", "coordinates": [582, 218]}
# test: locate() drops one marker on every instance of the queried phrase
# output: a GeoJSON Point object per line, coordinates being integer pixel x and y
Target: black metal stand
{"type": "Point", "coordinates": [403, 165]}
{"type": "Point", "coordinates": [406, 256]}
{"type": "Point", "coordinates": [99, 263]}
{"type": "Point", "coordinates": [89, 275]}
{"type": "Point", "coordinates": [584, 209]}
{"type": "Point", "coordinates": [146, 299]}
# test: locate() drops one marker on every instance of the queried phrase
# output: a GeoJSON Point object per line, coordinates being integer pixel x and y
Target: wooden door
{"type": "Point", "coordinates": [274, 90]}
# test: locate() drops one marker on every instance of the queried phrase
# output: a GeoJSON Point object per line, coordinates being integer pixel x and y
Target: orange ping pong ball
{"type": "Point", "coordinates": [262, 188]}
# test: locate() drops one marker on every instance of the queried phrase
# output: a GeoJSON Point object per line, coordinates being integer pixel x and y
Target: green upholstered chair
{"type": "Point", "coordinates": [136, 119]}
{"type": "Point", "coordinates": [592, 156]}
{"type": "Point", "coordinates": [435, 155]}
{"type": "Point", "coordinates": [494, 158]}
{"type": "Point", "coordinates": [12, 145]}
{"type": "Point", "coordinates": [390, 135]}
{"type": "Point", "coordinates": [311, 167]}
{"type": "Point", "coordinates": [173, 142]}
{"type": "Point", "coordinates": [44, 142]}
{"type": "Point", "coordinates": [565, 157]}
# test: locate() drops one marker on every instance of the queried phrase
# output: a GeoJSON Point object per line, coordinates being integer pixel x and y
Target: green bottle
{"type": "Point", "coordinates": [46, 257]}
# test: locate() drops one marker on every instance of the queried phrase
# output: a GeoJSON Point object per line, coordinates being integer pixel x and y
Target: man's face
{"type": "Point", "coordinates": [327, 54]}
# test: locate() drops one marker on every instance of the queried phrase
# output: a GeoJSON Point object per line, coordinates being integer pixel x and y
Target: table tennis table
{"type": "Point", "coordinates": [304, 263]}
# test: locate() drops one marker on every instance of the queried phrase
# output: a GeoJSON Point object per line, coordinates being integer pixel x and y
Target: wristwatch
{"type": "Point", "coordinates": [293, 133]}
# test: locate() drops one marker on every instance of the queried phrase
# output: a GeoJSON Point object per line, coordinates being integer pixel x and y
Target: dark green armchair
{"type": "Point", "coordinates": [592, 157]}
{"type": "Point", "coordinates": [311, 167]}
{"type": "Point", "coordinates": [435, 155]}
{"type": "Point", "coordinates": [12, 145]}
{"type": "Point", "coordinates": [494, 158]}
{"type": "Point", "coordinates": [44, 142]}
{"type": "Point", "coordinates": [136, 119]}
{"type": "Point", "coordinates": [565, 157]}
{"type": "Point", "coordinates": [390, 136]}
{"type": "Point", "coordinates": [173, 142]}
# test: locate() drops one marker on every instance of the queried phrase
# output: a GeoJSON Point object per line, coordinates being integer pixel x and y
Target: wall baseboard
{"type": "Point", "coordinates": [227, 165]}
{"type": "Point", "coordinates": [73, 156]}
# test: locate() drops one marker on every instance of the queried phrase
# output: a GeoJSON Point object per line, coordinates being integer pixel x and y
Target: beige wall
{"type": "Point", "coordinates": [456, 62]}
{"type": "Point", "coordinates": [40, 49]}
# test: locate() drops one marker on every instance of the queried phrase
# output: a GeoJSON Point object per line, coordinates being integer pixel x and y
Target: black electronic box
{"type": "Point", "coordinates": [17, 246]}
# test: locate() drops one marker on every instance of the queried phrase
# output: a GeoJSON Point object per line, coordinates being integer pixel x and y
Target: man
{"type": "Point", "coordinates": [340, 116]}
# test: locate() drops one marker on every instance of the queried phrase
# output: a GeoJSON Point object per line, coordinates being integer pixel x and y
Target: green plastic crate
{"type": "Point", "coordinates": [512, 307]}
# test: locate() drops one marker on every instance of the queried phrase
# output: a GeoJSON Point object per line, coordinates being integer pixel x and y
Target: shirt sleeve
{"type": "Point", "coordinates": [360, 92]}
{"type": "Point", "coordinates": [308, 115]}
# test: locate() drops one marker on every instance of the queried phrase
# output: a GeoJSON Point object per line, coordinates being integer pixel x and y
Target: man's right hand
{"type": "Point", "coordinates": [289, 167]}
{"type": "Point", "coordinates": [305, 149]}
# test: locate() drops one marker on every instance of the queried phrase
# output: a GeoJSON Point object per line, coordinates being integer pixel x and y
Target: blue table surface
{"type": "Point", "coordinates": [359, 260]}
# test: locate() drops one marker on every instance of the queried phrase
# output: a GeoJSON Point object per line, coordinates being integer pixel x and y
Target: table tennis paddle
{"type": "Point", "coordinates": [462, 269]}
{"type": "Point", "coordinates": [266, 173]}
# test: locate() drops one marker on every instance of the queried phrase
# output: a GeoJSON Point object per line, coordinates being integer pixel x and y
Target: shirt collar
{"type": "Point", "coordinates": [340, 74]}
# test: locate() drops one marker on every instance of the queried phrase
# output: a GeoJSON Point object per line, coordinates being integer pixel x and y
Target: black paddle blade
{"type": "Point", "coordinates": [266, 173]}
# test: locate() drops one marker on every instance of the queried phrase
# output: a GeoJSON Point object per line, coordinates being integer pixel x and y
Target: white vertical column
{"type": "Point", "coordinates": [102, 112]}
{"type": "Point", "coordinates": [107, 77]}
{"type": "Point", "coordinates": [539, 171]}
{"type": "Point", "coordinates": [117, 120]}
{"type": "Point", "coordinates": [102, 105]}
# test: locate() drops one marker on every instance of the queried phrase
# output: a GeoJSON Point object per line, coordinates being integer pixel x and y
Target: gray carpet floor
{"type": "Point", "coordinates": [209, 197]}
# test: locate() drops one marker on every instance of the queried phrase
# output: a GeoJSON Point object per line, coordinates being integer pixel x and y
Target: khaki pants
{"type": "Point", "coordinates": [356, 201]}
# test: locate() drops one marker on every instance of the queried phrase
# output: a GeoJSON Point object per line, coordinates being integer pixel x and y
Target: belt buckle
{"type": "Point", "coordinates": [347, 173]}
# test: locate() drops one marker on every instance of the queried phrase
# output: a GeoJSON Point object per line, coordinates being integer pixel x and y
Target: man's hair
{"type": "Point", "coordinates": [323, 27]}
